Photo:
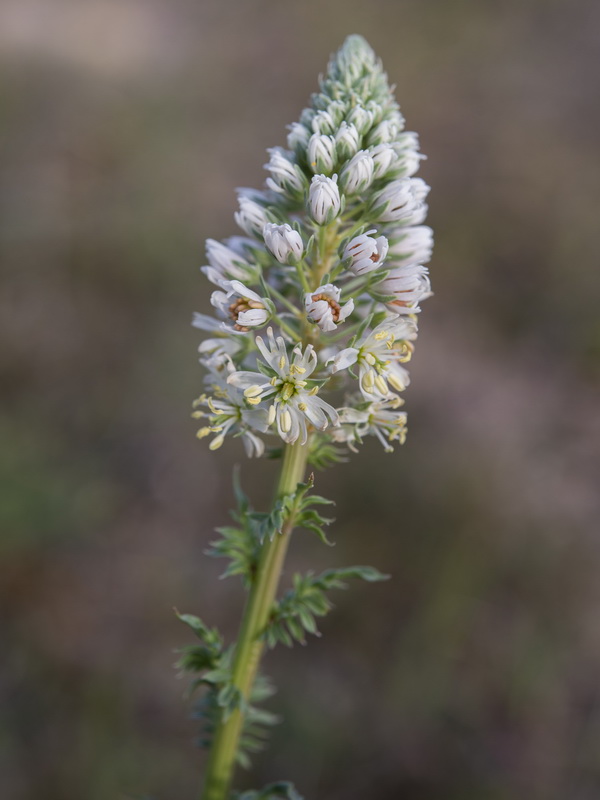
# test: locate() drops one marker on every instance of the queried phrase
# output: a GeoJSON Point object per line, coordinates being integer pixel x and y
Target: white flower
{"type": "Point", "coordinates": [383, 157]}
{"type": "Point", "coordinates": [298, 137]}
{"type": "Point", "coordinates": [252, 216]}
{"type": "Point", "coordinates": [228, 411]}
{"type": "Point", "coordinates": [367, 253]}
{"type": "Point", "coordinates": [286, 176]}
{"type": "Point", "coordinates": [347, 140]}
{"type": "Point", "coordinates": [402, 200]}
{"type": "Point", "coordinates": [321, 153]}
{"type": "Point", "coordinates": [408, 285]}
{"type": "Point", "coordinates": [247, 310]}
{"type": "Point", "coordinates": [357, 174]}
{"type": "Point", "coordinates": [292, 403]}
{"type": "Point", "coordinates": [227, 262]}
{"type": "Point", "coordinates": [379, 355]}
{"type": "Point", "coordinates": [361, 119]}
{"type": "Point", "coordinates": [381, 419]}
{"type": "Point", "coordinates": [323, 307]}
{"type": "Point", "coordinates": [324, 199]}
{"type": "Point", "coordinates": [284, 242]}
{"type": "Point", "coordinates": [413, 247]}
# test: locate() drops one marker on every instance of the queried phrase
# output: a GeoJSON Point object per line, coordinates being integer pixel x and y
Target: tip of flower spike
{"type": "Point", "coordinates": [353, 57]}
{"type": "Point", "coordinates": [357, 46]}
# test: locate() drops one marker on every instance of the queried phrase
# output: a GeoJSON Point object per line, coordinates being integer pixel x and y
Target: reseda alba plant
{"type": "Point", "coordinates": [315, 320]}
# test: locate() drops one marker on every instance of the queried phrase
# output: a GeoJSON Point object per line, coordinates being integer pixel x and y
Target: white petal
{"type": "Point", "coordinates": [345, 359]}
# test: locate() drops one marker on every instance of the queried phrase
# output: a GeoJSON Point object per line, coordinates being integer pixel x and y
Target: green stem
{"type": "Point", "coordinates": [249, 647]}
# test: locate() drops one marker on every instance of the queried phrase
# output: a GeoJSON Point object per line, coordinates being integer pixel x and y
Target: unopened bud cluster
{"type": "Point", "coordinates": [316, 303]}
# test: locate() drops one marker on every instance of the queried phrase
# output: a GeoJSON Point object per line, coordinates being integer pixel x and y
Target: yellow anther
{"type": "Point", "coordinates": [369, 380]}
{"type": "Point", "coordinates": [381, 384]}
{"type": "Point", "coordinates": [197, 414]}
{"type": "Point", "coordinates": [285, 420]}
{"type": "Point", "coordinates": [299, 370]}
{"type": "Point", "coordinates": [287, 391]}
{"type": "Point", "coordinates": [314, 391]}
{"type": "Point", "coordinates": [216, 442]}
{"type": "Point", "coordinates": [302, 406]}
{"type": "Point", "coordinates": [274, 380]}
{"type": "Point", "coordinates": [203, 432]}
{"type": "Point", "coordinates": [381, 335]}
{"type": "Point", "coordinates": [282, 362]}
{"type": "Point", "coordinates": [254, 401]}
{"type": "Point", "coordinates": [396, 382]}
{"type": "Point", "coordinates": [370, 359]}
{"type": "Point", "coordinates": [252, 391]}
{"type": "Point", "coordinates": [271, 416]}
{"type": "Point", "coordinates": [302, 384]}
{"type": "Point", "coordinates": [212, 406]}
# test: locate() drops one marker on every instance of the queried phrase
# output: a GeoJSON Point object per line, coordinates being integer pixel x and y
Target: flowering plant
{"type": "Point", "coordinates": [316, 307]}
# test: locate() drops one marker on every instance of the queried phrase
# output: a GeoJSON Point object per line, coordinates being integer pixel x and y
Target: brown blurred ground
{"type": "Point", "coordinates": [125, 126]}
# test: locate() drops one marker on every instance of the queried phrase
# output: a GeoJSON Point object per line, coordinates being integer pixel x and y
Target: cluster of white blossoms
{"type": "Point", "coordinates": [316, 302]}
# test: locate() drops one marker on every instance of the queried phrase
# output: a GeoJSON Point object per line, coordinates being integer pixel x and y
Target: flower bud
{"type": "Point", "coordinates": [324, 199]}
{"type": "Point", "coordinates": [413, 247]}
{"type": "Point", "coordinates": [284, 242]}
{"type": "Point", "coordinates": [367, 253]}
{"type": "Point", "coordinates": [386, 131]}
{"type": "Point", "coordinates": [321, 153]}
{"type": "Point", "coordinates": [286, 176]}
{"type": "Point", "coordinates": [226, 262]}
{"type": "Point", "coordinates": [383, 157]}
{"type": "Point", "coordinates": [298, 137]}
{"type": "Point", "coordinates": [357, 173]}
{"type": "Point", "coordinates": [324, 123]}
{"type": "Point", "coordinates": [361, 119]}
{"type": "Point", "coordinates": [408, 285]}
{"type": "Point", "coordinates": [252, 216]}
{"type": "Point", "coordinates": [347, 140]}
{"type": "Point", "coordinates": [323, 307]}
{"type": "Point", "coordinates": [402, 200]}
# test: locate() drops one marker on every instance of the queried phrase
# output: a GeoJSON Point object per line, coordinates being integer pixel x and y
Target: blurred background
{"type": "Point", "coordinates": [474, 673]}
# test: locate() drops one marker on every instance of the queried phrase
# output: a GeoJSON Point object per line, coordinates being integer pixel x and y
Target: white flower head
{"type": "Point", "coordinates": [403, 201]}
{"type": "Point", "coordinates": [324, 199]}
{"type": "Point", "coordinates": [284, 242]}
{"type": "Point", "coordinates": [358, 173]}
{"type": "Point", "coordinates": [379, 355]}
{"type": "Point", "coordinates": [321, 153]}
{"type": "Point", "coordinates": [246, 308]}
{"type": "Point", "coordinates": [323, 307]}
{"type": "Point", "coordinates": [347, 140]}
{"type": "Point", "coordinates": [293, 404]}
{"type": "Point", "coordinates": [252, 216]}
{"type": "Point", "coordinates": [366, 252]}
{"type": "Point", "coordinates": [286, 176]}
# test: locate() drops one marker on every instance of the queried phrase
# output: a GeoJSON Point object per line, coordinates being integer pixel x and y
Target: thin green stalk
{"type": "Point", "coordinates": [249, 647]}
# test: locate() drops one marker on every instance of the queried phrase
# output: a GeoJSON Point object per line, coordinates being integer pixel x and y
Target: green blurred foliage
{"type": "Point", "coordinates": [125, 127]}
